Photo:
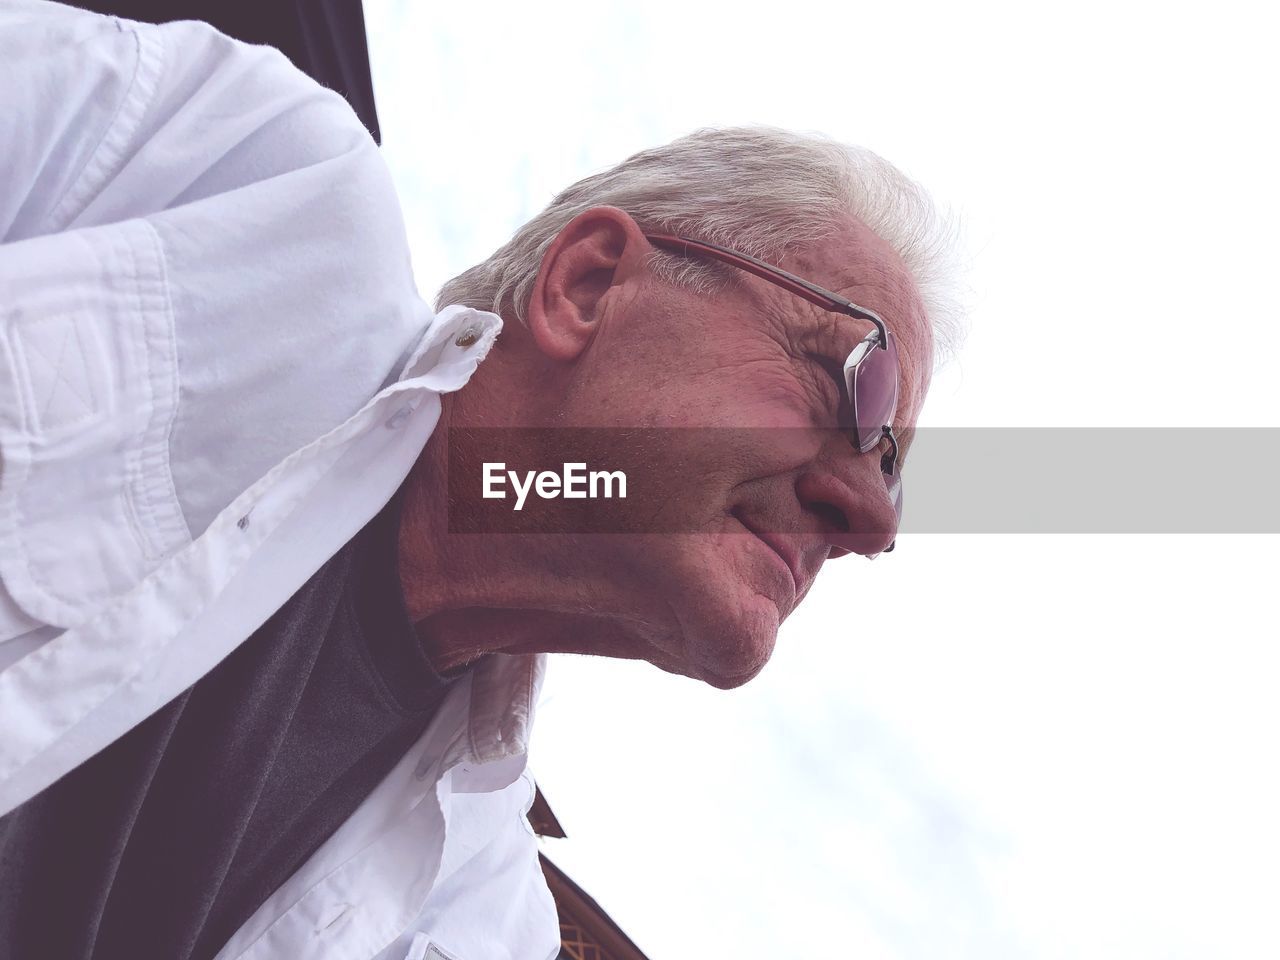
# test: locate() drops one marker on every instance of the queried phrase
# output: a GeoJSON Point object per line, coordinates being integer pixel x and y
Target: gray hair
{"type": "Point", "coordinates": [760, 190]}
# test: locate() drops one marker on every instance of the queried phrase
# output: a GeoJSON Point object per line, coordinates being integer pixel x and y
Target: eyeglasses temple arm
{"type": "Point", "coordinates": [789, 281]}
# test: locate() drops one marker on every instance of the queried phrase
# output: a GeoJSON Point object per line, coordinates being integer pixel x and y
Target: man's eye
{"type": "Point", "coordinates": [835, 372]}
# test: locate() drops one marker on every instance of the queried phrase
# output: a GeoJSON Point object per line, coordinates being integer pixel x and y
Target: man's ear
{"type": "Point", "coordinates": [595, 251]}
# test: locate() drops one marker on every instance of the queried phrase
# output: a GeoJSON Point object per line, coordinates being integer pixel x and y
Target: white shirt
{"type": "Point", "coordinates": [214, 369]}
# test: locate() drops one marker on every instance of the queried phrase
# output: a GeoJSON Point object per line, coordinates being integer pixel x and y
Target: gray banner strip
{"type": "Point", "coordinates": [1093, 480]}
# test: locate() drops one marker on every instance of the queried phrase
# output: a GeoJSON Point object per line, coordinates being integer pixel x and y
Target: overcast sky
{"type": "Point", "coordinates": [1028, 746]}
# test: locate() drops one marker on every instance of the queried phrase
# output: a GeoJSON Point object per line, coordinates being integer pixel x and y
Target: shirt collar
{"type": "Point", "coordinates": [458, 339]}
{"type": "Point", "coordinates": [494, 747]}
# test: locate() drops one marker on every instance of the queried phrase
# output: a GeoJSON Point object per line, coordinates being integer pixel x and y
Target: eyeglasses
{"type": "Point", "coordinates": [870, 371]}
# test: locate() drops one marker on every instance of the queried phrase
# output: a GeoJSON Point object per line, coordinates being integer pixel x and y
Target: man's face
{"type": "Point", "coordinates": [760, 509]}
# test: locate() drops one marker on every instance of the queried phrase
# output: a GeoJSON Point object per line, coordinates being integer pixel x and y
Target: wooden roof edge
{"type": "Point", "coordinates": [583, 910]}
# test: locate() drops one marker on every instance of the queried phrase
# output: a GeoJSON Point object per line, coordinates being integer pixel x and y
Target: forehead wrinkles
{"type": "Point", "coordinates": [795, 322]}
{"type": "Point", "coordinates": [861, 267]}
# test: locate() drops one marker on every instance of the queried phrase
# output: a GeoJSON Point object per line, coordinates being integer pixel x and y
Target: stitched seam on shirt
{"type": "Point", "coordinates": [110, 149]}
{"type": "Point", "coordinates": [55, 218]}
{"type": "Point", "coordinates": [175, 385]}
{"type": "Point", "coordinates": [132, 468]}
{"type": "Point", "coordinates": [165, 525]}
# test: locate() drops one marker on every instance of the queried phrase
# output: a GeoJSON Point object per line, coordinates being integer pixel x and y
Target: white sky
{"type": "Point", "coordinates": [1025, 746]}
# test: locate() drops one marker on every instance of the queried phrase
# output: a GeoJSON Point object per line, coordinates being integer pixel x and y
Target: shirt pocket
{"type": "Point", "coordinates": [88, 393]}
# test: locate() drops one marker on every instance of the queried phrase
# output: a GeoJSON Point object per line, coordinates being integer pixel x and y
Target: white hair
{"type": "Point", "coordinates": [760, 190]}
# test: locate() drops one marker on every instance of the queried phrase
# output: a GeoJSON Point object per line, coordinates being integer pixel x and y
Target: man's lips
{"type": "Point", "coordinates": [780, 546]}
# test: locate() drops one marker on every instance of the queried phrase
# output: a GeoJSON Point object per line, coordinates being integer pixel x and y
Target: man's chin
{"type": "Point", "coordinates": [724, 681]}
{"type": "Point", "coordinates": [723, 631]}
{"type": "Point", "coordinates": [729, 658]}
{"type": "Point", "coordinates": [713, 677]}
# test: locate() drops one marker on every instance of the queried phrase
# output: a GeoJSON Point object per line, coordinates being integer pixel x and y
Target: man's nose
{"type": "Point", "coordinates": [847, 492]}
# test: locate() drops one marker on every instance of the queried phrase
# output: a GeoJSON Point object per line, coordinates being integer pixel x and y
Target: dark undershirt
{"type": "Point", "coordinates": [164, 843]}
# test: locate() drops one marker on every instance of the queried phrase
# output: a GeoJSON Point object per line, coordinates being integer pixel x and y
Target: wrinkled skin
{"type": "Point", "coordinates": [608, 344]}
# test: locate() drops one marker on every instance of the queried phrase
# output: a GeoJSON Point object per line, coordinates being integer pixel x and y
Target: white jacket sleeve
{"type": "Point", "coordinates": [202, 268]}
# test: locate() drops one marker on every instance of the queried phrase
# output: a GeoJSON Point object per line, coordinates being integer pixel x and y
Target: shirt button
{"type": "Point", "coordinates": [468, 338]}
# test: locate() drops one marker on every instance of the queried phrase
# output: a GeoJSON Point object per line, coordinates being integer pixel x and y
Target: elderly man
{"type": "Point", "coordinates": [261, 697]}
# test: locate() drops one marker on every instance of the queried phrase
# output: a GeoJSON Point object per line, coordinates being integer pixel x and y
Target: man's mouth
{"type": "Point", "coordinates": [780, 548]}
